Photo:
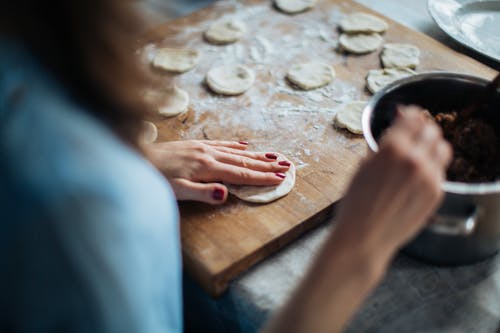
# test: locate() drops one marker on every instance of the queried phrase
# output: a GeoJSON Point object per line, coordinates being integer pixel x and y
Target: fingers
{"type": "Point", "coordinates": [267, 157]}
{"type": "Point", "coordinates": [243, 176]}
{"type": "Point", "coordinates": [251, 163]}
{"type": "Point", "coordinates": [237, 150]}
{"type": "Point", "coordinates": [409, 119]}
{"type": "Point", "coordinates": [417, 149]}
{"type": "Point", "coordinates": [241, 145]}
{"type": "Point", "coordinates": [212, 193]}
{"type": "Point", "coordinates": [423, 136]}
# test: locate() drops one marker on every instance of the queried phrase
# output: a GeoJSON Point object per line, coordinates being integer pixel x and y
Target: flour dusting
{"type": "Point", "coordinates": [272, 110]}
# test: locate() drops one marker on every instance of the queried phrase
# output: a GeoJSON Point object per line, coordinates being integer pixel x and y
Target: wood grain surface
{"type": "Point", "coordinates": [219, 242]}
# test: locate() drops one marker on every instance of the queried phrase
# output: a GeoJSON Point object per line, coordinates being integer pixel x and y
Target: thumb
{"type": "Point", "coordinates": [212, 193]}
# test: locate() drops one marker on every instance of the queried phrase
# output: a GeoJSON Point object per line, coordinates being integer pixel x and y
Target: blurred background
{"type": "Point", "coordinates": [158, 11]}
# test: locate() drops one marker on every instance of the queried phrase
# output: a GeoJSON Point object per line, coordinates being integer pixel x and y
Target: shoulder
{"type": "Point", "coordinates": [50, 143]}
{"type": "Point", "coordinates": [89, 213]}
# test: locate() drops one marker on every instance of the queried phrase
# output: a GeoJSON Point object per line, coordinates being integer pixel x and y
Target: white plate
{"type": "Point", "coordinates": [473, 23]}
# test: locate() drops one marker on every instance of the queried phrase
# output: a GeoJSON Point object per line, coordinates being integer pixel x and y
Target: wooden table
{"type": "Point", "coordinates": [221, 242]}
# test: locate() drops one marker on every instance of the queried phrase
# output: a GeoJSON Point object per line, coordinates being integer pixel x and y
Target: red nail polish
{"type": "Point", "coordinates": [243, 143]}
{"type": "Point", "coordinates": [271, 156]}
{"type": "Point", "coordinates": [218, 194]}
{"type": "Point", "coordinates": [284, 163]}
{"type": "Point", "coordinates": [280, 174]}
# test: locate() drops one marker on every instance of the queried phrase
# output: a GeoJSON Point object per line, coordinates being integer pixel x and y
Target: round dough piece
{"type": "Point", "coordinates": [230, 80]}
{"type": "Point", "coordinates": [169, 103]}
{"type": "Point", "coordinates": [264, 194]}
{"type": "Point", "coordinates": [294, 6]}
{"type": "Point", "coordinates": [176, 103]}
{"type": "Point", "coordinates": [400, 55]}
{"type": "Point", "coordinates": [149, 133]}
{"type": "Point", "coordinates": [379, 78]}
{"type": "Point", "coordinates": [349, 116]}
{"type": "Point", "coordinates": [225, 32]}
{"type": "Point", "coordinates": [362, 22]}
{"type": "Point", "coordinates": [310, 75]}
{"type": "Point", "coordinates": [176, 60]}
{"type": "Point", "coordinates": [360, 43]}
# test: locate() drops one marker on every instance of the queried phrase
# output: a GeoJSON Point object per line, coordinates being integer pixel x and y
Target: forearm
{"type": "Point", "coordinates": [342, 276]}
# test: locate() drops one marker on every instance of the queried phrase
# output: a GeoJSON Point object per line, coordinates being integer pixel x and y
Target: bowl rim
{"type": "Point", "coordinates": [448, 186]}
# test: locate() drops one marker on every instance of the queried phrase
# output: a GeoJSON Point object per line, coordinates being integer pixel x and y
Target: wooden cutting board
{"type": "Point", "coordinates": [219, 242]}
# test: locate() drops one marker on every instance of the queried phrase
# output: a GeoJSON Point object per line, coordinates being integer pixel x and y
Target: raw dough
{"type": "Point", "coordinates": [177, 102]}
{"type": "Point", "coordinates": [170, 103]}
{"type": "Point", "coordinates": [294, 6]}
{"type": "Point", "coordinates": [349, 116]}
{"type": "Point", "coordinates": [379, 78]}
{"type": "Point", "coordinates": [264, 194]}
{"type": "Point", "coordinates": [230, 80]}
{"type": "Point", "coordinates": [149, 133]}
{"type": "Point", "coordinates": [310, 75]}
{"type": "Point", "coordinates": [225, 32]}
{"type": "Point", "coordinates": [360, 43]}
{"type": "Point", "coordinates": [176, 60]}
{"type": "Point", "coordinates": [400, 55]}
{"type": "Point", "coordinates": [362, 22]}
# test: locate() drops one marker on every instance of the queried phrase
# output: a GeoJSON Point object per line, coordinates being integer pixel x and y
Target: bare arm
{"type": "Point", "coordinates": [388, 201]}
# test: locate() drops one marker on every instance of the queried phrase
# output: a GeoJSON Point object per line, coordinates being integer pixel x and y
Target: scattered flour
{"type": "Point", "coordinates": [272, 108]}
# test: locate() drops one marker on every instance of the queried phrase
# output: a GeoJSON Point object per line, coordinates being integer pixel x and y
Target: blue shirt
{"type": "Point", "coordinates": [89, 238]}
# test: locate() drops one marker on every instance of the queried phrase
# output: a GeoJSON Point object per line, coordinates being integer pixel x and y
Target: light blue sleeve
{"type": "Point", "coordinates": [89, 235]}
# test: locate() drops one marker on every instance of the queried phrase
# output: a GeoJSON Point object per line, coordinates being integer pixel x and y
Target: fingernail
{"type": "Point", "coordinates": [280, 174]}
{"type": "Point", "coordinates": [284, 163]}
{"type": "Point", "coordinates": [218, 194]}
{"type": "Point", "coordinates": [243, 143]}
{"type": "Point", "coordinates": [272, 156]}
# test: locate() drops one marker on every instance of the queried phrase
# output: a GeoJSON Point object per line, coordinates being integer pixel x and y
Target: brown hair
{"type": "Point", "coordinates": [89, 45]}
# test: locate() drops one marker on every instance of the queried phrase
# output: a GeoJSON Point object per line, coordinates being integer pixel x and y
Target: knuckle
{"type": "Point", "coordinates": [243, 162]}
{"type": "Point", "coordinates": [244, 175]}
{"type": "Point", "coordinates": [201, 148]}
{"type": "Point", "coordinates": [204, 161]}
{"type": "Point", "coordinates": [434, 131]}
{"type": "Point", "coordinates": [437, 129]}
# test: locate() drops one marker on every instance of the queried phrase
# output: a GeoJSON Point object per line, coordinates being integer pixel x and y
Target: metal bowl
{"type": "Point", "coordinates": [466, 227]}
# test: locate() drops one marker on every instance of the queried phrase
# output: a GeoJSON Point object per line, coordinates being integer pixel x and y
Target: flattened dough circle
{"type": "Point", "coordinates": [360, 43]}
{"type": "Point", "coordinates": [149, 133]}
{"type": "Point", "coordinates": [310, 75]}
{"type": "Point", "coordinates": [175, 60]}
{"type": "Point", "coordinates": [169, 103]}
{"type": "Point", "coordinates": [400, 55]}
{"type": "Point", "coordinates": [362, 22]}
{"type": "Point", "coordinates": [230, 79]}
{"type": "Point", "coordinates": [294, 6]}
{"type": "Point", "coordinates": [225, 32]}
{"type": "Point", "coordinates": [349, 116]}
{"type": "Point", "coordinates": [177, 103]}
{"type": "Point", "coordinates": [379, 78]}
{"type": "Point", "coordinates": [264, 194]}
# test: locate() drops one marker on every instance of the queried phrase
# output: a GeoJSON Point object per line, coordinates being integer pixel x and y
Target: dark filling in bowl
{"type": "Point", "coordinates": [476, 155]}
{"type": "Point", "coordinates": [476, 144]}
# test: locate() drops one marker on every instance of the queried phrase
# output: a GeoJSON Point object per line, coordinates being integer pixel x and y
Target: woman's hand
{"type": "Point", "coordinates": [194, 168]}
{"type": "Point", "coordinates": [396, 190]}
{"type": "Point", "coordinates": [390, 198]}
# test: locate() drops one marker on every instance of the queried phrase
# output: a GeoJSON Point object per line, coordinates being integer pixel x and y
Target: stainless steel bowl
{"type": "Point", "coordinates": [466, 227]}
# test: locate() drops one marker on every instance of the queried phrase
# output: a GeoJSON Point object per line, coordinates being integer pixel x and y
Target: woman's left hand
{"type": "Point", "coordinates": [195, 168]}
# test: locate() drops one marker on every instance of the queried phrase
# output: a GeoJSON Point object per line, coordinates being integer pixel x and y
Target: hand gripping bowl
{"type": "Point", "coordinates": [466, 227]}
